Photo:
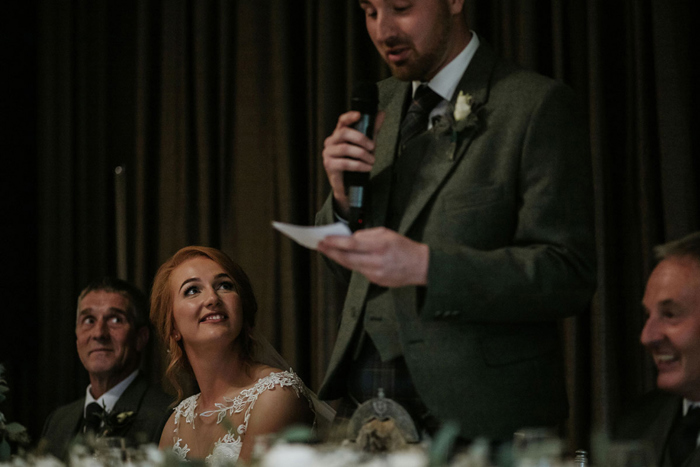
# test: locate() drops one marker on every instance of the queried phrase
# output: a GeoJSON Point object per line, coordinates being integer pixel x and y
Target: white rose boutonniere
{"type": "Point", "coordinates": [114, 423]}
{"type": "Point", "coordinates": [463, 106]}
{"type": "Point", "coordinates": [123, 417]}
{"type": "Point", "coordinates": [461, 117]}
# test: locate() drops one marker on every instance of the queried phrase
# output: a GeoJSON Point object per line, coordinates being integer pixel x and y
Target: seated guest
{"type": "Point", "coordinates": [670, 419]}
{"type": "Point", "coordinates": [112, 332]}
{"type": "Point", "coordinates": [204, 309]}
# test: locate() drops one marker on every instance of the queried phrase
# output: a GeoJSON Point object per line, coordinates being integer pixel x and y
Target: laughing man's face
{"type": "Point", "coordinates": [672, 330]}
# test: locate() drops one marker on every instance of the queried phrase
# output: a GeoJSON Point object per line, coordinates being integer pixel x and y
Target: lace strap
{"type": "Point", "coordinates": [283, 379]}
{"type": "Point", "coordinates": [186, 409]}
{"type": "Point", "coordinates": [247, 397]}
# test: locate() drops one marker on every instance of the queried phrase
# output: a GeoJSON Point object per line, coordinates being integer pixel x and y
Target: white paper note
{"type": "Point", "coordinates": [309, 236]}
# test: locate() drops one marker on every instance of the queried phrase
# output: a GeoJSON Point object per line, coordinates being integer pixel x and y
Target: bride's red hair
{"type": "Point", "coordinates": [178, 371]}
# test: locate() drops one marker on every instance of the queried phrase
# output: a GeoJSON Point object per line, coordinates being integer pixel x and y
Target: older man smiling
{"type": "Point", "coordinates": [111, 334]}
{"type": "Point", "coordinates": [671, 419]}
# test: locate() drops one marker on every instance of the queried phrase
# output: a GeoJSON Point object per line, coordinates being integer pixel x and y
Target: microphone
{"type": "Point", "coordinates": [364, 99]}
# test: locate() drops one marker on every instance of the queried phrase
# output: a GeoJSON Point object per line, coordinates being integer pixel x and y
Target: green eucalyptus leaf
{"type": "Point", "coordinates": [14, 428]}
{"type": "Point", "coordinates": [298, 434]}
{"type": "Point", "coordinates": [442, 445]}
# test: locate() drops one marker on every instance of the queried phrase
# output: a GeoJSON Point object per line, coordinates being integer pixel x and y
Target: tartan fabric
{"type": "Point", "coordinates": [416, 119]}
{"type": "Point", "coordinates": [369, 373]}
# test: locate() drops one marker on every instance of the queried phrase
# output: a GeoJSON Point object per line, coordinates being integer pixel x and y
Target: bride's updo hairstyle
{"type": "Point", "coordinates": [178, 371]}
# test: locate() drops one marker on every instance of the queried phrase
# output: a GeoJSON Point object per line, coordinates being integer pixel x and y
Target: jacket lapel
{"type": "Point", "coordinates": [74, 421]}
{"type": "Point", "coordinates": [385, 151]}
{"type": "Point", "coordinates": [447, 150]}
{"type": "Point", "coordinates": [661, 428]}
{"type": "Point", "coordinates": [694, 459]}
{"type": "Point", "coordinates": [130, 400]}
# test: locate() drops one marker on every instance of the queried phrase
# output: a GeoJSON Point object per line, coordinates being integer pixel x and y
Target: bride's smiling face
{"type": "Point", "coordinates": [206, 307]}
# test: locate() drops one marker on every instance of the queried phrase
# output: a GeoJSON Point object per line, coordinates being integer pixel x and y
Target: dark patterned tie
{"type": "Point", "coordinates": [684, 437]}
{"type": "Point", "coordinates": [416, 119]}
{"type": "Point", "coordinates": [92, 419]}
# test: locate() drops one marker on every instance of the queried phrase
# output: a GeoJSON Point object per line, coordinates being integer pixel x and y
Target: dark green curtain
{"type": "Point", "coordinates": [217, 111]}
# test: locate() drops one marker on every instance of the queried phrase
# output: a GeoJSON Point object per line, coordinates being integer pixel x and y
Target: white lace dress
{"type": "Point", "coordinates": [227, 448]}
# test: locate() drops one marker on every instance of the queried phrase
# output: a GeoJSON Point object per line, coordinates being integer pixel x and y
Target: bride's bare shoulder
{"type": "Point", "coordinates": [259, 371]}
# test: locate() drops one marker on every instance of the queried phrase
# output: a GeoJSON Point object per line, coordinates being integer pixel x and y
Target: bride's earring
{"type": "Point", "coordinates": [176, 335]}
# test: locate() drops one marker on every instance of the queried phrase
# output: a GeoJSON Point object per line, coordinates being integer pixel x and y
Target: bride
{"type": "Point", "coordinates": [203, 307]}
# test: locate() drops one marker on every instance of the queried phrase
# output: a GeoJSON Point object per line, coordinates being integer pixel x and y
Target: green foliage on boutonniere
{"type": "Point", "coordinates": [114, 423]}
{"type": "Point", "coordinates": [460, 117]}
{"type": "Point", "coordinates": [10, 433]}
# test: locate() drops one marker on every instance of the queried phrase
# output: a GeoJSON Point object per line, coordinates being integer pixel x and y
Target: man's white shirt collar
{"type": "Point", "coordinates": [445, 82]}
{"type": "Point", "coordinates": [110, 398]}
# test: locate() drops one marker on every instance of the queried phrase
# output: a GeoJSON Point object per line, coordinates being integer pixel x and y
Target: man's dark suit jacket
{"type": "Point", "coordinates": [505, 205]}
{"type": "Point", "coordinates": [150, 405]}
{"type": "Point", "coordinates": [652, 420]}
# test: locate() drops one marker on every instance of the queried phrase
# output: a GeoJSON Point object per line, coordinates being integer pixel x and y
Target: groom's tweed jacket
{"type": "Point", "coordinates": [505, 205]}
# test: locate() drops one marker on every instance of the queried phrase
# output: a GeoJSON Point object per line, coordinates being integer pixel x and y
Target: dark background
{"type": "Point", "coordinates": [218, 111]}
{"type": "Point", "coordinates": [19, 339]}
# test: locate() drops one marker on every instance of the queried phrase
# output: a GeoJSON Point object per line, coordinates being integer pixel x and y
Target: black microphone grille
{"type": "Point", "coordinates": [365, 97]}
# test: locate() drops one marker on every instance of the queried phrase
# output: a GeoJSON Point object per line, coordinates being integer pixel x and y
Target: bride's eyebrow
{"type": "Point", "coordinates": [191, 279]}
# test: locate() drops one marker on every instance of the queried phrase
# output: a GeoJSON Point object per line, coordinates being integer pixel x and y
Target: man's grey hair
{"type": "Point", "coordinates": [688, 246]}
{"type": "Point", "coordinates": [138, 304]}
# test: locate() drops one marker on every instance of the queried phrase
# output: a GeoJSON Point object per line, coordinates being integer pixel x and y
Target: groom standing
{"type": "Point", "coordinates": [480, 230]}
{"type": "Point", "coordinates": [112, 332]}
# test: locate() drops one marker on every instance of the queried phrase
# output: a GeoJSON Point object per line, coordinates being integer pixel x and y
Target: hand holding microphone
{"type": "Point", "coordinates": [350, 149]}
{"type": "Point", "coordinates": [364, 100]}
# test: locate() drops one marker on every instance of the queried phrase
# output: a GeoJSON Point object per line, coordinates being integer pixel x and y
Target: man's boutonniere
{"type": "Point", "coordinates": [463, 107]}
{"type": "Point", "coordinates": [462, 116]}
{"type": "Point", "coordinates": [112, 423]}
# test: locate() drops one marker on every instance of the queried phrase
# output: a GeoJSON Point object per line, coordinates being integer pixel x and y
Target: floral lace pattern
{"type": "Point", "coordinates": [179, 450]}
{"type": "Point", "coordinates": [228, 447]}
